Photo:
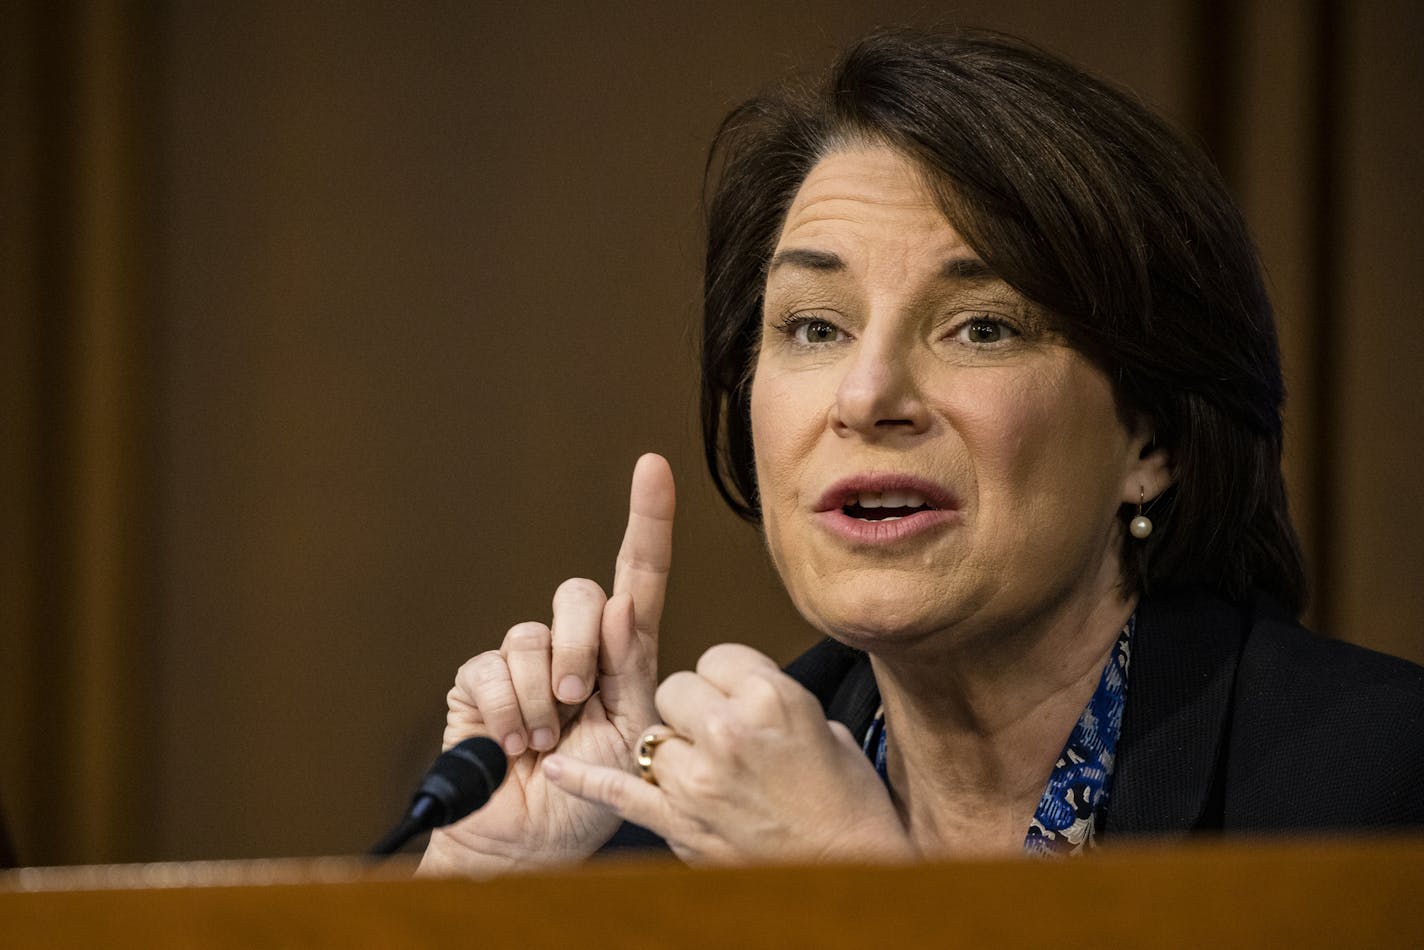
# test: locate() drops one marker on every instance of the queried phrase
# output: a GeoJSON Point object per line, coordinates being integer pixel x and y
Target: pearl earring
{"type": "Point", "coordinates": [1141, 526]}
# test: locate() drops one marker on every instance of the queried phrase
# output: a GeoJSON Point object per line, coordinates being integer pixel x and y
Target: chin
{"type": "Point", "coordinates": [876, 618]}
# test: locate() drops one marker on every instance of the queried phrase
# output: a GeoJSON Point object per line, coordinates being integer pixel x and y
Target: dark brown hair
{"type": "Point", "coordinates": [1088, 205]}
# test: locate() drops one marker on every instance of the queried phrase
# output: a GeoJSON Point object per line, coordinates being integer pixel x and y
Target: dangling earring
{"type": "Point", "coordinates": [1141, 526]}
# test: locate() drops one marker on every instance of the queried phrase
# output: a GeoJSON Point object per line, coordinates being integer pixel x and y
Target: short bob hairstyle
{"type": "Point", "coordinates": [1088, 205]}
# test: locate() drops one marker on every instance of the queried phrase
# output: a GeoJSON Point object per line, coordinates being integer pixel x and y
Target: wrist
{"type": "Point", "coordinates": [454, 855]}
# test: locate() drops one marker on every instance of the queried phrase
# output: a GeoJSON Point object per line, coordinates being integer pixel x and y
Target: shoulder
{"type": "Point", "coordinates": [1238, 717]}
{"type": "Point", "coordinates": [1283, 658]}
{"type": "Point", "coordinates": [1323, 733]}
{"type": "Point", "coordinates": [1278, 662]}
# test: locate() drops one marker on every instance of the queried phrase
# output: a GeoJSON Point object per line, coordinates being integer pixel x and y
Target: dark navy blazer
{"type": "Point", "coordinates": [1238, 719]}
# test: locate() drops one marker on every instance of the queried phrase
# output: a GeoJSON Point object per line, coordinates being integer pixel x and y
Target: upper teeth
{"type": "Point", "coordinates": [887, 499]}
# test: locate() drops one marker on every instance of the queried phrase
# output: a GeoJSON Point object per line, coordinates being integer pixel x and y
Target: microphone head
{"type": "Point", "coordinates": [462, 779]}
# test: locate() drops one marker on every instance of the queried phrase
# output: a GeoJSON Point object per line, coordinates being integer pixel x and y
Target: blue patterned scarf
{"type": "Point", "coordinates": [1072, 803]}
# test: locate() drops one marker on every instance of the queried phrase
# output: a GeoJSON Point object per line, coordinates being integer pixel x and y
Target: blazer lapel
{"type": "Point", "coordinates": [1166, 779]}
{"type": "Point", "coordinates": [841, 678]}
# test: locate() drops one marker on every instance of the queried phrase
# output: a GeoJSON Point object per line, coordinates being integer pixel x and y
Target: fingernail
{"type": "Point", "coordinates": [554, 767]}
{"type": "Point", "coordinates": [571, 689]}
{"type": "Point", "coordinates": [514, 744]}
{"type": "Point", "coordinates": [542, 739]}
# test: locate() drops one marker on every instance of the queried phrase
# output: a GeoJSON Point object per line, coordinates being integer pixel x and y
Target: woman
{"type": "Point", "coordinates": [988, 356]}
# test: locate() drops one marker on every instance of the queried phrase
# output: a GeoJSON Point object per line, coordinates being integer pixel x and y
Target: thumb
{"type": "Point", "coordinates": [627, 666]}
{"type": "Point", "coordinates": [844, 737]}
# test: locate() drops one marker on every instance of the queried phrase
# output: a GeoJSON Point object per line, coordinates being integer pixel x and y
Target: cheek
{"type": "Point", "coordinates": [1048, 447]}
{"type": "Point", "coordinates": [1093, 441]}
{"type": "Point", "coordinates": [785, 423]}
{"type": "Point", "coordinates": [764, 442]}
{"type": "Point", "coordinates": [767, 446]}
{"type": "Point", "coordinates": [1008, 437]}
{"type": "Point", "coordinates": [786, 417]}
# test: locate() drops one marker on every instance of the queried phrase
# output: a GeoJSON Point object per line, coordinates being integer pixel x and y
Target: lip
{"type": "Point", "coordinates": [828, 513]}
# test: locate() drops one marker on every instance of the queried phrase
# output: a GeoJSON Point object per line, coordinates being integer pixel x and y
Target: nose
{"type": "Point", "coordinates": [879, 393]}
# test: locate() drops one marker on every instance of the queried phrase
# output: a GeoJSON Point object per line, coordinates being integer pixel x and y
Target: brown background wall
{"type": "Point", "coordinates": [331, 332]}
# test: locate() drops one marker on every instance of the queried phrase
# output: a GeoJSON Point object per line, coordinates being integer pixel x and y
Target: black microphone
{"type": "Point", "coordinates": [462, 779]}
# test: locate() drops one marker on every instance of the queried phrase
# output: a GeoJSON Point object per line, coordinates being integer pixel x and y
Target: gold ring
{"type": "Point", "coordinates": [647, 745]}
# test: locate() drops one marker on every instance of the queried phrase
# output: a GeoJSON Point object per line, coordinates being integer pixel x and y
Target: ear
{"type": "Point", "coordinates": [1150, 473]}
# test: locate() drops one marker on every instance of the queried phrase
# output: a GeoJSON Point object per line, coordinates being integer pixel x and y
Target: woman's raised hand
{"type": "Point", "coordinates": [582, 686]}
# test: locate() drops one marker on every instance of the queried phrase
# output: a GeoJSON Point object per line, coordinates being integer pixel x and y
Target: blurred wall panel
{"type": "Point", "coordinates": [76, 572]}
{"type": "Point", "coordinates": [1376, 333]}
{"type": "Point", "coordinates": [1279, 174]}
{"type": "Point", "coordinates": [1329, 164]}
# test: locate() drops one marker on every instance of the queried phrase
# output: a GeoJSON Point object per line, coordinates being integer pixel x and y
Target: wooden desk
{"type": "Point", "coordinates": [1343, 893]}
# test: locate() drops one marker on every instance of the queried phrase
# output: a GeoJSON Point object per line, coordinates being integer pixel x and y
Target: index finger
{"type": "Point", "coordinates": [646, 554]}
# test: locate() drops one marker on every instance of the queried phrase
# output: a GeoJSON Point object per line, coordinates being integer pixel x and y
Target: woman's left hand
{"type": "Point", "coordinates": [753, 772]}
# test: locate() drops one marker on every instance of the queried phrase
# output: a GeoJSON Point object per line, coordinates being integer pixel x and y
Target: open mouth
{"type": "Point", "coordinates": [884, 506]}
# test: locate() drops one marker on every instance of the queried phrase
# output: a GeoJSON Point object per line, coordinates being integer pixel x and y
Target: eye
{"type": "Point", "coordinates": [817, 331]}
{"type": "Point", "coordinates": [984, 331]}
{"type": "Point", "coordinates": [806, 330]}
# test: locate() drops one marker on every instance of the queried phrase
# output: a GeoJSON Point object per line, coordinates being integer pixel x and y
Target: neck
{"type": "Point", "coordinates": [977, 727]}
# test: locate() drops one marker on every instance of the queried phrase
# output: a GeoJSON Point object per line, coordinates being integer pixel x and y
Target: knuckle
{"type": "Point", "coordinates": [577, 591]}
{"type": "Point", "coordinates": [460, 707]}
{"type": "Point", "coordinates": [575, 652]}
{"type": "Point", "coordinates": [703, 781]}
{"type": "Point", "coordinates": [800, 700]}
{"type": "Point", "coordinates": [601, 787]}
{"type": "Point", "coordinates": [499, 710]}
{"type": "Point", "coordinates": [537, 705]}
{"type": "Point", "coordinates": [484, 683]}
{"type": "Point", "coordinates": [643, 562]}
{"type": "Point", "coordinates": [480, 670]}
{"type": "Point", "coordinates": [721, 732]}
{"type": "Point", "coordinates": [530, 635]}
{"type": "Point", "coordinates": [672, 686]}
{"type": "Point", "coordinates": [718, 655]}
{"type": "Point", "coordinates": [608, 790]}
{"type": "Point", "coordinates": [762, 700]}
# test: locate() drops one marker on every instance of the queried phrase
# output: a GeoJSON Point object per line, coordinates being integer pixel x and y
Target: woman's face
{"type": "Point", "coordinates": [930, 454]}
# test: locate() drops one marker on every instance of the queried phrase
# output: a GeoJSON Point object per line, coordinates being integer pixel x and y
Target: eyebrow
{"type": "Point", "coordinates": [959, 269]}
{"type": "Point", "coordinates": [807, 259]}
{"type": "Point", "coordinates": [969, 269]}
